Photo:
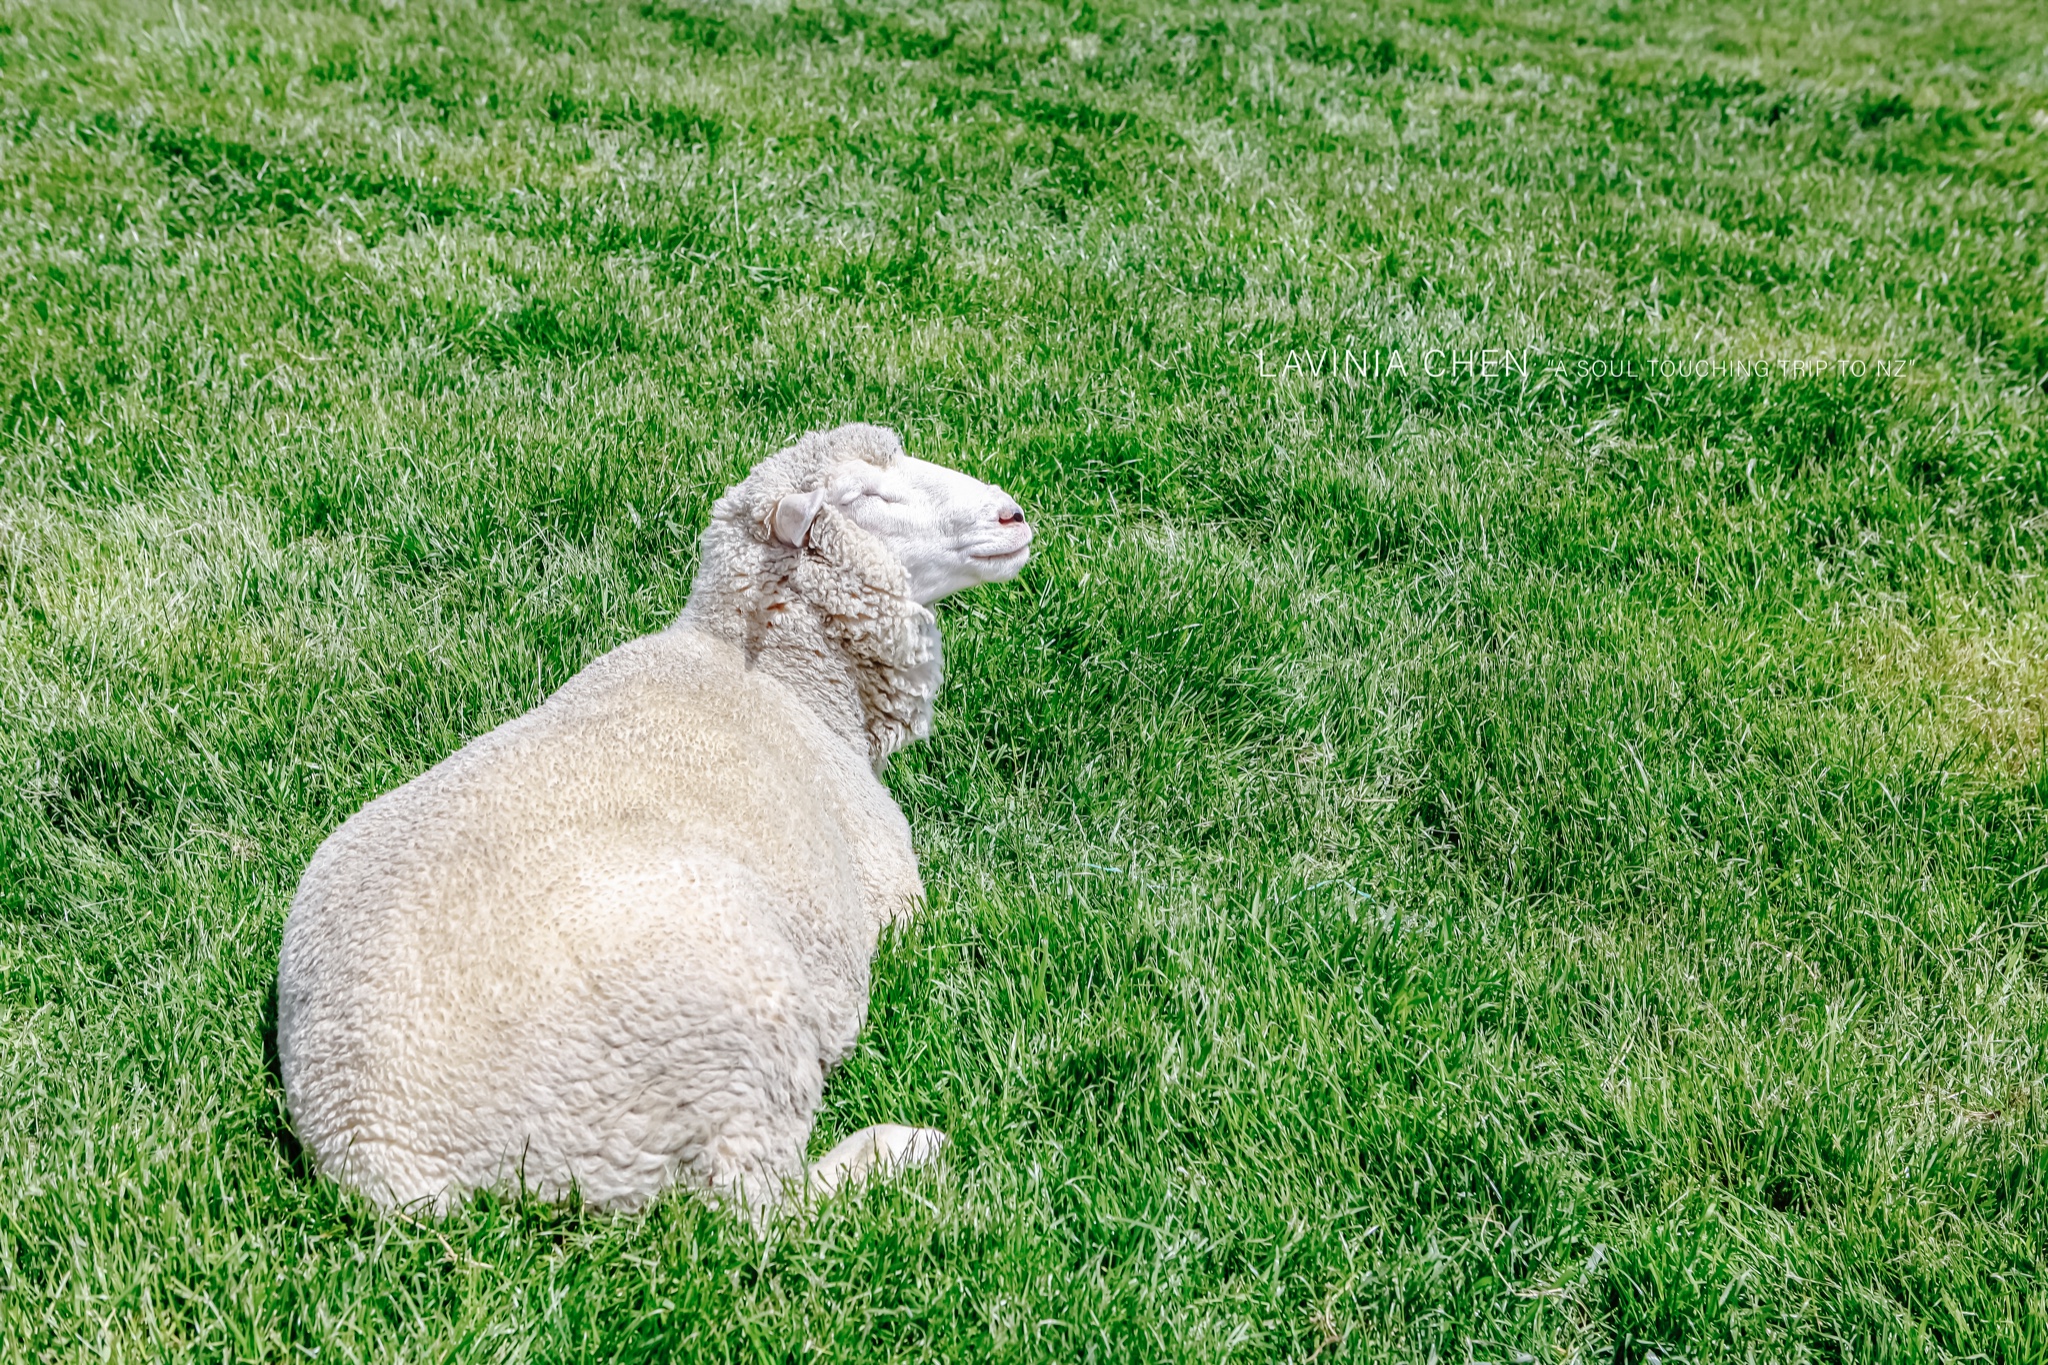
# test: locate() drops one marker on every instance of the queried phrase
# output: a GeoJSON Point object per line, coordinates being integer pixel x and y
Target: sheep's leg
{"type": "Point", "coordinates": [758, 1194]}
{"type": "Point", "coordinates": [883, 1149]}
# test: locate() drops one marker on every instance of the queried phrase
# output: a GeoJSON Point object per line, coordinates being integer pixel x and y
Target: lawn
{"type": "Point", "coordinates": [1508, 819]}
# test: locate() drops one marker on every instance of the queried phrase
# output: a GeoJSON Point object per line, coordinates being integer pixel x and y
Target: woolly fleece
{"type": "Point", "coordinates": [621, 940]}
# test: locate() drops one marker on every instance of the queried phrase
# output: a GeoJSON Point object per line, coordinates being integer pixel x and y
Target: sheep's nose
{"type": "Point", "coordinates": [1009, 514]}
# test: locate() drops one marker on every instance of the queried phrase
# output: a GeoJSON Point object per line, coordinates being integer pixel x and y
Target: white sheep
{"type": "Point", "coordinates": [620, 940]}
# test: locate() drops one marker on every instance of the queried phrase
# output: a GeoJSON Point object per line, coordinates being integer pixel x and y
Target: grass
{"type": "Point", "coordinates": [1538, 860]}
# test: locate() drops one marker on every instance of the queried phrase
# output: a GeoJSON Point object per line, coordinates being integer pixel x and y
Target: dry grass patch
{"type": "Point", "coordinates": [1976, 684]}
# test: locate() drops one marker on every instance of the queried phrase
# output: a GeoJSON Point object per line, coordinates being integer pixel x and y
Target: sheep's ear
{"type": "Point", "coordinates": [791, 520]}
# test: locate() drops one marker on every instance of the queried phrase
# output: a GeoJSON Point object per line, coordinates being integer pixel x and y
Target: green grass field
{"type": "Point", "coordinates": [1537, 852]}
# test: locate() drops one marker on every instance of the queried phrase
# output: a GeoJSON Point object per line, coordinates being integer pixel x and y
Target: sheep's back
{"type": "Point", "coordinates": [449, 938]}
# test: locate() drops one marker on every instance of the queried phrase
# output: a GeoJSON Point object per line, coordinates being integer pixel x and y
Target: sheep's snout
{"type": "Point", "coordinates": [1010, 537]}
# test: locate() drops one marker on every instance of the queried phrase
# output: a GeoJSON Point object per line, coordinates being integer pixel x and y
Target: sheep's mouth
{"type": "Point", "coordinates": [1017, 551]}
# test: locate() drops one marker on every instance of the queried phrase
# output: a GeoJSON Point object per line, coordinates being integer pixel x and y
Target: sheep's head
{"type": "Point", "coordinates": [947, 530]}
{"type": "Point", "coordinates": [866, 538]}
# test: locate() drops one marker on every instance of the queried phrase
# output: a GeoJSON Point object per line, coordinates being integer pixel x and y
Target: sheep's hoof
{"type": "Point", "coordinates": [883, 1149]}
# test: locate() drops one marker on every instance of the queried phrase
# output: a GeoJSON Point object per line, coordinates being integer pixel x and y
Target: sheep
{"type": "Point", "coordinates": [619, 941]}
